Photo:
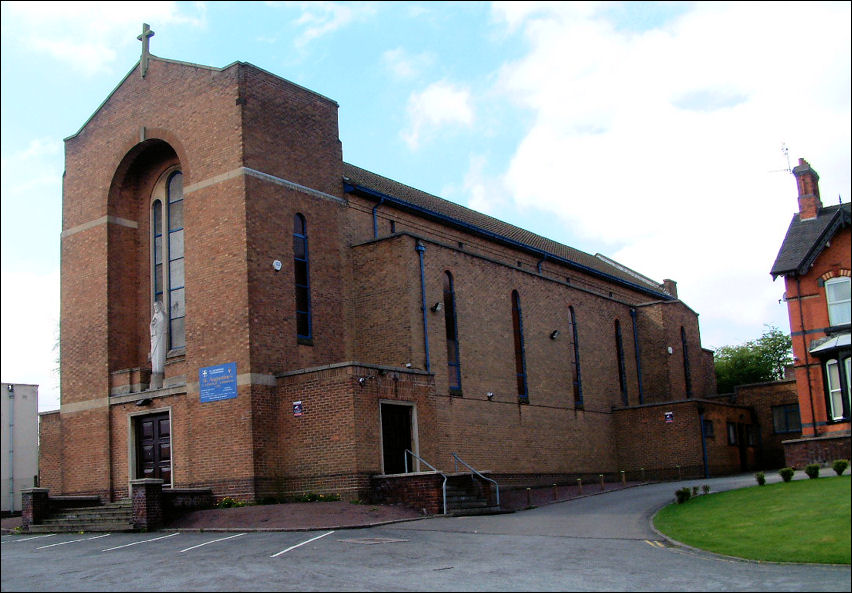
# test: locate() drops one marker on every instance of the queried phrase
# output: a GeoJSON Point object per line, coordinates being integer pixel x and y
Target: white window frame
{"type": "Point", "coordinates": [838, 309]}
{"type": "Point", "coordinates": [834, 389]}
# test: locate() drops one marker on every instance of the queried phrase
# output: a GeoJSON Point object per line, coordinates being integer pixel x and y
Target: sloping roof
{"type": "Point", "coordinates": [806, 239]}
{"type": "Point", "coordinates": [407, 198]}
{"type": "Point", "coordinates": [830, 343]}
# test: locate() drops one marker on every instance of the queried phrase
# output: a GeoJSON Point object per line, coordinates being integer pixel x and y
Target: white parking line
{"type": "Point", "coordinates": [301, 544]}
{"type": "Point", "coordinates": [221, 539]}
{"type": "Point", "coordinates": [144, 541]}
{"type": "Point", "coordinates": [26, 539]}
{"type": "Point", "coordinates": [73, 541]}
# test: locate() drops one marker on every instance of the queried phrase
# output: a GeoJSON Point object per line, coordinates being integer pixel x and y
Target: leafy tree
{"type": "Point", "coordinates": [755, 361]}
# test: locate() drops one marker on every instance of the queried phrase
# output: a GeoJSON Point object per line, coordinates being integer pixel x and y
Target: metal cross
{"type": "Point", "coordinates": [146, 35]}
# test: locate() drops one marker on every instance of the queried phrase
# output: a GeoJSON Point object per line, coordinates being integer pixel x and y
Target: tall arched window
{"type": "Point", "coordinates": [177, 293]}
{"type": "Point", "coordinates": [520, 357]}
{"type": "Point", "coordinates": [619, 352]}
{"type": "Point", "coordinates": [157, 249]}
{"type": "Point", "coordinates": [450, 322]}
{"type": "Point", "coordinates": [302, 276]}
{"type": "Point", "coordinates": [168, 282]}
{"type": "Point", "coordinates": [686, 374]}
{"type": "Point", "coordinates": [578, 384]}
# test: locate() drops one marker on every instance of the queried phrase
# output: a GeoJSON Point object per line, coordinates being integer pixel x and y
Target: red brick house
{"type": "Point", "coordinates": [323, 319]}
{"type": "Point", "coordinates": [814, 260]}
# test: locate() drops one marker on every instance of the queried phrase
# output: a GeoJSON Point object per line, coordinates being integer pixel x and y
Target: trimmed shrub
{"type": "Point", "coordinates": [683, 494]}
{"type": "Point", "coordinates": [786, 473]}
{"type": "Point", "coordinates": [812, 469]}
{"type": "Point", "coordinates": [229, 503]}
{"type": "Point", "coordinates": [840, 466]}
{"type": "Point", "coordinates": [761, 478]}
{"type": "Point", "coordinates": [314, 497]}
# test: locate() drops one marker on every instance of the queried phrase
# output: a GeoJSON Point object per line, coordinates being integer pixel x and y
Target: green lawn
{"type": "Point", "coordinates": [798, 521]}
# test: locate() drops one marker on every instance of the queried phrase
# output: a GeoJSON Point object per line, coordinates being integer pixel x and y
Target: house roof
{"type": "Point", "coordinates": [806, 239]}
{"type": "Point", "coordinates": [407, 198]}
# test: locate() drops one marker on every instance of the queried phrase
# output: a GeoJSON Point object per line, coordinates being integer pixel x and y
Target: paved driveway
{"type": "Point", "coordinates": [598, 543]}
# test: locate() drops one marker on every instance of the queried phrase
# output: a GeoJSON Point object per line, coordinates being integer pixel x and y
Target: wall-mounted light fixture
{"type": "Point", "coordinates": [363, 380]}
{"type": "Point", "coordinates": [669, 349]}
{"type": "Point", "coordinates": [490, 395]}
{"type": "Point", "coordinates": [437, 307]}
{"type": "Point", "coordinates": [146, 401]}
{"type": "Point", "coordinates": [554, 334]}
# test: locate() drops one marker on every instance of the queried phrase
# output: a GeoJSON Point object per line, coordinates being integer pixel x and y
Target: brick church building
{"type": "Point", "coordinates": [322, 319]}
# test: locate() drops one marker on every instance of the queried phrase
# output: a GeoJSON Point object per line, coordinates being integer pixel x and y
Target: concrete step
{"type": "Point", "coordinates": [485, 510]}
{"type": "Point", "coordinates": [467, 504]}
{"type": "Point", "coordinates": [75, 527]}
{"type": "Point", "coordinates": [91, 515]}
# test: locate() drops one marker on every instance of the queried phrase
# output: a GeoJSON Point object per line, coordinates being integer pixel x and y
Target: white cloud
{"type": "Point", "coordinates": [321, 18]}
{"type": "Point", "coordinates": [660, 143]}
{"type": "Point", "coordinates": [85, 35]}
{"type": "Point", "coordinates": [404, 65]}
{"type": "Point", "coordinates": [440, 105]}
{"type": "Point", "coordinates": [485, 193]}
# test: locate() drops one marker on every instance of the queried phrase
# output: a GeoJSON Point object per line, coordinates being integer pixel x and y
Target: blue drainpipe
{"type": "Point", "coordinates": [420, 249]}
{"type": "Point", "coordinates": [375, 218]}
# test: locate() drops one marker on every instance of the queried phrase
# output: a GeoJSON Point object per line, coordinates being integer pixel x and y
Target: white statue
{"type": "Point", "coordinates": [158, 345]}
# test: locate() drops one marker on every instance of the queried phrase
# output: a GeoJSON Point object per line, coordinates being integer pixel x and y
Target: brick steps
{"type": "Point", "coordinates": [116, 516]}
{"type": "Point", "coordinates": [465, 497]}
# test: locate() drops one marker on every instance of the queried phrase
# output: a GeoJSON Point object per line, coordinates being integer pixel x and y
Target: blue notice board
{"type": "Point", "coordinates": [218, 382]}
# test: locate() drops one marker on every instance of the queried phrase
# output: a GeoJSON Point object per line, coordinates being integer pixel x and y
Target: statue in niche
{"type": "Point", "coordinates": [158, 345]}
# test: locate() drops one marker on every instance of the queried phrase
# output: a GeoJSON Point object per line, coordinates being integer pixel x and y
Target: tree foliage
{"type": "Point", "coordinates": [755, 361]}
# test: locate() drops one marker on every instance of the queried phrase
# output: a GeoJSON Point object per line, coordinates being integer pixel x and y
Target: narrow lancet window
{"type": "Point", "coordinates": [302, 276]}
{"type": "Point", "coordinates": [450, 322]}
{"type": "Point", "coordinates": [578, 383]}
{"type": "Point", "coordinates": [619, 351]}
{"type": "Point", "coordinates": [520, 357]}
{"type": "Point", "coordinates": [686, 374]}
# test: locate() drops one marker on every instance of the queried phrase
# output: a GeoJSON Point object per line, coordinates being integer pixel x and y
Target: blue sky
{"type": "Point", "coordinates": [649, 132]}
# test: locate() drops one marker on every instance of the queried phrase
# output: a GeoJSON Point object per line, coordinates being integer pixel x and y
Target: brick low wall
{"type": "Point", "coordinates": [419, 491]}
{"type": "Point", "coordinates": [823, 450]}
{"type": "Point", "coordinates": [177, 501]}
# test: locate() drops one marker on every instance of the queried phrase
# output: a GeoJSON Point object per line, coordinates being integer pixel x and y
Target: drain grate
{"type": "Point", "coordinates": [371, 541]}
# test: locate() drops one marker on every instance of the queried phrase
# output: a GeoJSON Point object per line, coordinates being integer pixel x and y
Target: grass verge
{"type": "Point", "coordinates": [798, 521]}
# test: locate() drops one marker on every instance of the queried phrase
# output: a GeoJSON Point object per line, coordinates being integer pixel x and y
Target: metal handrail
{"type": "Point", "coordinates": [421, 460]}
{"type": "Point", "coordinates": [456, 467]}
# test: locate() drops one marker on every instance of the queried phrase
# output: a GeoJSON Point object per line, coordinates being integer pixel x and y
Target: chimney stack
{"type": "Point", "coordinates": [807, 181]}
{"type": "Point", "coordinates": [670, 286]}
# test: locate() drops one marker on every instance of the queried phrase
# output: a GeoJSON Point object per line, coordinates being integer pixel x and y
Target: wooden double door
{"type": "Point", "coordinates": [154, 447]}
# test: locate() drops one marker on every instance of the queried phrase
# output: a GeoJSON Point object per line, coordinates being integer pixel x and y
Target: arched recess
{"type": "Point", "coordinates": [129, 253]}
